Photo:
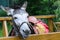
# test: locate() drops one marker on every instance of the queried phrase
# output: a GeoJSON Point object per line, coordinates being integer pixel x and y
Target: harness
{"type": "Point", "coordinates": [17, 28]}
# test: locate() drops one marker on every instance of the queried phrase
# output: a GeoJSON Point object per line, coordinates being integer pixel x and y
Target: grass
{"type": "Point", "coordinates": [1, 31]}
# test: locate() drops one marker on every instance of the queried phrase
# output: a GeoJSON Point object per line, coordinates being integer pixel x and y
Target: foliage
{"type": "Point", "coordinates": [2, 13]}
{"type": "Point", "coordinates": [36, 7]}
{"type": "Point", "coordinates": [4, 2]}
{"type": "Point", "coordinates": [57, 11]}
{"type": "Point", "coordinates": [40, 7]}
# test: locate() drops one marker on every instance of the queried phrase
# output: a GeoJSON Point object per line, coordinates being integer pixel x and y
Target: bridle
{"type": "Point", "coordinates": [18, 27]}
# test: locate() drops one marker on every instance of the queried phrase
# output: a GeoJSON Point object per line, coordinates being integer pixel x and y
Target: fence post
{"type": "Point", "coordinates": [5, 30]}
{"type": "Point", "coordinates": [51, 25]}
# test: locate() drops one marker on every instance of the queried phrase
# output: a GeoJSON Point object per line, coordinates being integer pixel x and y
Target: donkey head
{"type": "Point", "coordinates": [20, 18]}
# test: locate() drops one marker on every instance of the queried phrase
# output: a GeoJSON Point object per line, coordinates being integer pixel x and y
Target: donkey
{"type": "Point", "coordinates": [20, 20]}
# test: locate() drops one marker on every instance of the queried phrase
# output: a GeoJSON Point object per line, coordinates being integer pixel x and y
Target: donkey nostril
{"type": "Point", "coordinates": [26, 32]}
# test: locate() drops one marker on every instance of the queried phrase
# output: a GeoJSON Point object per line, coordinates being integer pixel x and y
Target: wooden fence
{"type": "Point", "coordinates": [46, 36]}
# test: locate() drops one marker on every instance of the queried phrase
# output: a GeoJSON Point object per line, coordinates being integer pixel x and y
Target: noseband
{"type": "Point", "coordinates": [23, 23]}
{"type": "Point", "coordinates": [18, 27]}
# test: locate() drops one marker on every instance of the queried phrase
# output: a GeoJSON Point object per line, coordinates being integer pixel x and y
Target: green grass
{"type": "Point", "coordinates": [1, 31]}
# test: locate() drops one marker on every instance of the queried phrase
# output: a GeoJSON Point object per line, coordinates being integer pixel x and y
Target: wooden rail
{"type": "Point", "coordinates": [58, 23]}
{"type": "Point", "coordinates": [40, 16]}
{"type": "Point", "coordinates": [48, 36]}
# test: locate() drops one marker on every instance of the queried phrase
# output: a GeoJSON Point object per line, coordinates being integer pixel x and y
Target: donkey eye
{"type": "Point", "coordinates": [15, 17]}
{"type": "Point", "coordinates": [27, 16]}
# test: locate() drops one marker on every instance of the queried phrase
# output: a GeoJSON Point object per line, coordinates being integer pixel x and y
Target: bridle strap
{"type": "Point", "coordinates": [18, 27]}
{"type": "Point", "coordinates": [23, 23]}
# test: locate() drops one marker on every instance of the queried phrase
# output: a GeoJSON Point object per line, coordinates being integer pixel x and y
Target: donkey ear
{"type": "Point", "coordinates": [24, 5]}
{"type": "Point", "coordinates": [4, 8]}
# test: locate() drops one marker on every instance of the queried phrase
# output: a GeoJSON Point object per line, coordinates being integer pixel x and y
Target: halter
{"type": "Point", "coordinates": [18, 27]}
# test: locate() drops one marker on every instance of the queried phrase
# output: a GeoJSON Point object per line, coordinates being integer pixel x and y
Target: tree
{"type": "Point", "coordinates": [36, 7]}
{"type": "Point", "coordinates": [57, 11]}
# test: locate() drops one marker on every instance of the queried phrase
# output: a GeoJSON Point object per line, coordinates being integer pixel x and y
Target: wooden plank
{"type": "Point", "coordinates": [46, 36]}
{"type": "Point", "coordinates": [58, 23]}
{"type": "Point", "coordinates": [45, 16]}
{"type": "Point", "coordinates": [5, 30]}
{"type": "Point", "coordinates": [39, 16]}
{"type": "Point", "coordinates": [9, 38]}
{"type": "Point", "coordinates": [49, 36]}
{"type": "Point", "coordinates": [5, 18]}
{"type": "Point", "coordinates": [50, 24]}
